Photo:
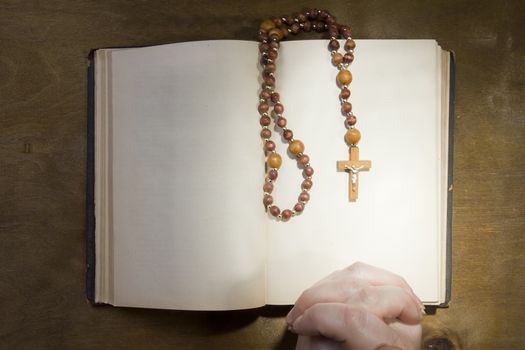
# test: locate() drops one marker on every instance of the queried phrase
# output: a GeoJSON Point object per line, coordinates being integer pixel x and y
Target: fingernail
{"type": "Point", "coordinates": [297, 323]}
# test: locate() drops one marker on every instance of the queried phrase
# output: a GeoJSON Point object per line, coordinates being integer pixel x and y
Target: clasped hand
{"type": "Point", "coordinates": [361, 307]}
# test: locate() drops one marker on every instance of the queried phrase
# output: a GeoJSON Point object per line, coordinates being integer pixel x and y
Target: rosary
{"type": "Point", "coordinates": [271, 32]}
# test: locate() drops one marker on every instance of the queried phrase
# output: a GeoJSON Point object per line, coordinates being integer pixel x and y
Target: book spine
{"type": "Point", "coordinates": [450, 181]}
{"type": "Point", "coordinates": [90, 183]}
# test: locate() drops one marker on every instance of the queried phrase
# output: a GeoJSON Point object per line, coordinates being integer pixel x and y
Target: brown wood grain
{"type": "Point", "coordinates": [43, 50]}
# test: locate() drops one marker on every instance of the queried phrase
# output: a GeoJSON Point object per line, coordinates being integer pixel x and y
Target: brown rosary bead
{"type": "Point", "coordinates": [263, 107]}
{"type": "Point", "coordinates": [268, 187]}
{"type": "Point", "coordinates": [269, 146]}
{"type": "Point", "coordinates": [352, 136]}
{"type": "Point", "coordinates": [304, 159]}
{"type": "Point", "coordinates": [307, 184]}
{"type": "Point", "coordinates": [299, 207]}
{"type": "Point", "coordinates": [274, 161]}
{"type": "Point", "coordinates": [333, 32]}
{"type": "Point", "coordinates": [265, 120]}
{"type": "Point", "coordinates": [333, 45]}
{"type": "Point", "coordinates": [265, 94]}
{"type": "Point", "coordinates": [345, 93]}
{"type": "Point", "coordinates": [296, 147]}
{"type": "Point", "coordinates": [295, 28]}
{"type": "Point", "coordinates": [266, 133]}
{"type": "Point", "coordinates": [274, 97]}
{"type": "Point", "coordinates": [273, 174]}
{"type": "Point", "coordinates": [286, 214]}
{"type": "Point", "coordinates": [287, 135]}
{"type": "Point", "coordinates": [278, 108]}
{"type": "Point", "coordinates": [267, 200]}
{"type": "Point", "coordinates": [269, 81]}
{"type": "Point", "coordinates": [351, 120]}
{"type": "Point", "coordinates": [264, 47]}
{"type": "Point", "coordinates": [308, 171]}
{"type": "Point", "coordinates": [273, 55]}
{"type": "Point", "coordinates": [304, 197]}
{"type": "Point", "coordinates": [349, 45]}
{"type": "Point", "coordinates": [307, 26]}
{"type": "Point", "coordinates": [337, 58]}
{"type": "Point", "coordinates": [270, 68]}
{"type": "Point", "coordinates": [274, 210]}
{"type": "Point", "coordinates": [346, 107]}
{"type": "Point", "coordinates": [344, 77]}
{"type": "Point", "coordinates": [281, 122]}
{"type": "Point", "coordinates": [348, 58]}
{"type": "Point", "coordinates": [261, 36]}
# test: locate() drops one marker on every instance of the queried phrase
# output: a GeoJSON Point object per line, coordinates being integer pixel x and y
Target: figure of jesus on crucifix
{"type": "Point", "coordinates": [353, 166]}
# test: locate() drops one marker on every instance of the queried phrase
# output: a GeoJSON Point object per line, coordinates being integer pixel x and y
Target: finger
{"type": "Point", "coordinates": [387, 303]}
{"type": "Point", "coordinates": [354, 327]}
{"type": "Point", "coordinates": [379, 277]}
{"type": "Point", "coordinates": [335, 288]}
{"type": "Point", "coordinates": [316, 343]}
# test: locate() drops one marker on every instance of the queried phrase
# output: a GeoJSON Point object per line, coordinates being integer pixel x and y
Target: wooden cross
{"type": "Point", "coordinates": [353, 166]}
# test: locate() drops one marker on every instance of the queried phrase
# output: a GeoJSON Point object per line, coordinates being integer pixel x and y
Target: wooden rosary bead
{"type": "Point", "coordinates": [346, 107]}
{"type": "Point", "coordinates": [269, 146]}
{"type": "Point", "coordinates": [333, 45]}
{"type": "Point", "coordinates": [278, 108]}
{"type": "Point", "coordinates": [307, 26]}
{"type": "Point", "coordinates": [263, 107]}
{"type": "Point", "coordinates": [265, 120]}
{"type": "Point", "coordinates": [287, 135]}
{"type": "Point", "coordinates": [296, 147]}
{"type": "Point", "coordinates": [266, 133]}
{"type": "Point", "coordinates": [304, 197]}
{"type": "Point", "coordinates": [307, 184]}
{"type": "Point", "coordinates": [274, 97]}
{"type": "Point", "coordinates": [304, 159]}
{"type": "Point", "coordinates": [348, 58]}
{"type": "Point", "coordinates": [286, 214]}
{"type": "Point", "coordinates": [274, 210]}
{"type": "Point", "coordinates": [351, 120]}
{"type": "Point", "coordinates": [352, 136]}
{"type": "Point", "coordinates": [349, 45]}
{"type": "Point", "coordinates": [276, 32]}
{"type": "Point", "coordinates": [265, 94]}
{"type": "Point", "coordinates": [274, 161]}
{"type": "Point", "coordinates": [268, 187]}
{"type": "Point", "coordinates": [308, 171]}
{"type": "Point", "coordinates": [337, 59]}
{"type": "Point", "coordinates": [345, 92]}
{"type": "Point", "coordinates": [299, 207]}
{"type": "Point", "coordinates": [273, 174]}
{"type": "Point", "coordinates": [267, 25]}
{"type": "Point", "coordinates": [267, 200]}
{"type": "Point", "coordinates": [281, 122]}
{"type": "Point", "coordinates": [344, 77]}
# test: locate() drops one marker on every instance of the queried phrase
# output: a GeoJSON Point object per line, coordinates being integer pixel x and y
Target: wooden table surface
{"type": "Point", "coordinates": [43, 50]}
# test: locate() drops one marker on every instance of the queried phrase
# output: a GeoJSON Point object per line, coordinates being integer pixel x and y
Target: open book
{"type": "Point", "coordinates": [176, 169]}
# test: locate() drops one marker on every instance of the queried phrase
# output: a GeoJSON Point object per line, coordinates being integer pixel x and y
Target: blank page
{"type": "Point", "coordinates": [189, 232]}
{"type": "Point", "coordinates": [395, 222]}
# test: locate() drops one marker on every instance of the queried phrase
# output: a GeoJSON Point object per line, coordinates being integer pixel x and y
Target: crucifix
{"type": "Point", "coordinates": [353, 166]}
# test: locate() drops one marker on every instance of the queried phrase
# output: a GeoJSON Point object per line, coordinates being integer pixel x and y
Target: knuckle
{"type": "Point", "coordinates": [355, 318]}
